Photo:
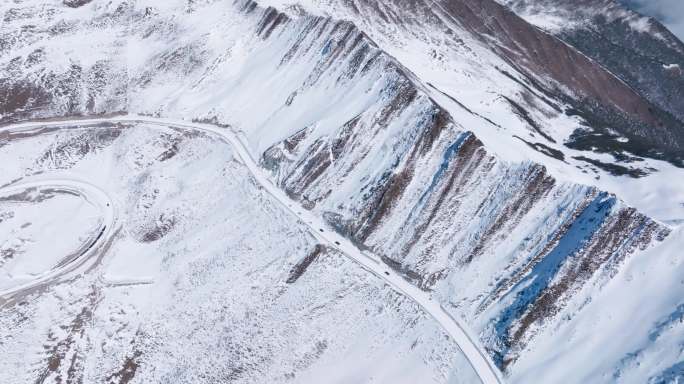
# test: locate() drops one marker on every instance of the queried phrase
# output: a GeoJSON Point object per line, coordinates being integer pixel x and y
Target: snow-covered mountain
{"type": "Point", "coordinates": [637, 49]}
{"type": "Point", "coordinates": [519, 162]}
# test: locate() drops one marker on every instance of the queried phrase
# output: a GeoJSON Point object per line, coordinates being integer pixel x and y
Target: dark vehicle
{"type": "Point", "coordinates": [386, 273]}
{"type": "Point", "coordinates": [321, 229]}
{"type": "Point", "coordinates": [337, 242]}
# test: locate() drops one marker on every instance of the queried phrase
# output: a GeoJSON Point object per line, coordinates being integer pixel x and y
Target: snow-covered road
{"type": "Point", "coordinates": [467, 342]}
{"type": "Point", "coordinates": [81, 257]}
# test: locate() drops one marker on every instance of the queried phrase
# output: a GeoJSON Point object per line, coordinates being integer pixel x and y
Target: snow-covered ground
{"type": "Point", "coordinates": [183, 276]}
{"type": "Point", "coordinates": [455, 328]}
{"type": "Point", "coordinates": [40, 228]}
{"type": "Point", "coordinates": [68, 235]}
{"type": "Point", "coordinates": [630, 333]}
{"type": "Point", "coordinates": [408, 134]}
{"type": "Point", "coordinates": [199, 66]}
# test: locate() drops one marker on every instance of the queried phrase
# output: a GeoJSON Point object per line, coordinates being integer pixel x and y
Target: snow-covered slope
{"type": "Point", "coordinates": [481, 157]}
{"type": "Point", "coordinates": [188, 291]}
{"type": "Point", "coordinates": [638, 49]}
{"type": "Point", "coordinates": [143, 57]}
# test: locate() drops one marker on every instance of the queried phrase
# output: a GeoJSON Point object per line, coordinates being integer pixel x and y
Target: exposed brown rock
{"type": "Point", "coordinates": [298, 270]}
{"type": "Point", "coordinates": [621, 234]}
{"type": "Point", "coordinates": [536, 185]}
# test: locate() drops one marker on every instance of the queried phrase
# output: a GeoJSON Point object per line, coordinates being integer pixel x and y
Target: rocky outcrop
{"type": "Point", "coordinates": [557, 72]}
{"type": "Point", "coordinates": [402, 178]}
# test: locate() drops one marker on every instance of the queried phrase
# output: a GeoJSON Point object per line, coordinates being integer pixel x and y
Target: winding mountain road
{"type": "Point", "coordinates": [468, 344]}
{"type": "Point", "coordinates": [80, 257]}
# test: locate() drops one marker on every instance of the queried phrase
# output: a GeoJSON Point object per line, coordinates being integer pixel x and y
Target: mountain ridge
{"type": "Point", "coordinates": [458, 170]}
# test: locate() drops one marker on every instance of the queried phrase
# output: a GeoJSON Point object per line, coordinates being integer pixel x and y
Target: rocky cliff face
{"type": "Point", "coordinates": [401, 124]}
{"type": "Point", "coordinates": [403, 179]}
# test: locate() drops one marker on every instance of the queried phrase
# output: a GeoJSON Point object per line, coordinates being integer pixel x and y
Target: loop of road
{"type": "Point", "coordinates": [468, 343]}
{"type": "Point", "coordinates": [85, 190]}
